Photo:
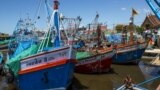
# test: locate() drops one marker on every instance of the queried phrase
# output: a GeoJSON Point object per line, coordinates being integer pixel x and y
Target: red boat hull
{"type": "Point", "coordinates": [96, 64]}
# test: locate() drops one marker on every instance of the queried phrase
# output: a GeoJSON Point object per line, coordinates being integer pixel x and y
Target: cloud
{"type": "Point", "coordinates": [123, 9]}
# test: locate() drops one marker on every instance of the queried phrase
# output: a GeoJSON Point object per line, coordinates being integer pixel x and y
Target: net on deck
{"type": "Point", "coordinates": [14, 63]}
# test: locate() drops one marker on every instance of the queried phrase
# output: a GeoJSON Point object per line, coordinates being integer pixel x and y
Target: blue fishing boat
{"type": "Point", "coordinates": [129, 53]}
{"type": "Point", "coordinates": [4, 40]}
{"type": "Point", "coordinates": [25, 36]}
{"type": "Point", "coordinates": [131, 48]}
{"type": "Point", "coordinates": [150, 69]}
{"type": "Point", "coordinates": [126, 52]}
{"type": "Point", "coordinates": [52, 67]}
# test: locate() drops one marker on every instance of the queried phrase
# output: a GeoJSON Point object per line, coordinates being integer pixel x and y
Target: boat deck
{"type": "Point", "coordinates": [151, 54]}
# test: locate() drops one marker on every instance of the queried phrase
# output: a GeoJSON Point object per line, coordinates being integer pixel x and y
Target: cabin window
{"type": "Point", "coordinates": [45, 59]}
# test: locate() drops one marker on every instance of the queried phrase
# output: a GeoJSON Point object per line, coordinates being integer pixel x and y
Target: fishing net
{"type": "Point", "coordinates": [14, 63]}
{"type": "Point", "coordinates": [23, 45]}
{"type": "Point", "coordinates": [80, 55]}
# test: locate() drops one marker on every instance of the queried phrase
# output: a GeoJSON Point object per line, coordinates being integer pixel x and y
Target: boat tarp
{"type": "Point", "coordinates": [1, 57]}
{"type": "Point", "coordinates": [116, 38]}
{"type": "Point", "coordinates": [80, 55]}
{"type": "Point", "coordinates": [79, 44]}
{"type": "Point", "coordinates": [23, 45]}
{"type": "Point", "coordinates": [4, 42]}
{"type": "Point", "coordinates": [14, 63]}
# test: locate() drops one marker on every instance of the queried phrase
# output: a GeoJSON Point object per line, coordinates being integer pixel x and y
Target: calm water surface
{"type": "Point", "coordinates": [112, 80]}
{"type": "Point", "coordinates": [105, 81]}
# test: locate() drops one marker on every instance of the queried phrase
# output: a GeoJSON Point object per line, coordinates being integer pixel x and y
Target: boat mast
{"type": "Point", "coordinates": [99, 35]}
{"type": "Point", "coordinates": [56, 24]}
{"type": "Point", "coordinates": [131, 25]}
{"type": "Point", "coordinates": [49, 10]}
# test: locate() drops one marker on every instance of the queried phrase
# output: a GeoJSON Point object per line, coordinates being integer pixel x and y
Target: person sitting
{"type": "Point", "coordinates": [128, 82]}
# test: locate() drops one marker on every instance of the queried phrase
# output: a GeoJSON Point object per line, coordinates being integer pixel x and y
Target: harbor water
{"type": "Point", "coordinates": [105, 81]}
{"type": "Point", "coordinates": [113, 79]}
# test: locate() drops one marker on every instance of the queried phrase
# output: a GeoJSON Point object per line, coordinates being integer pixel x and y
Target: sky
{"type": "Point", "coordinates": [111, 12]}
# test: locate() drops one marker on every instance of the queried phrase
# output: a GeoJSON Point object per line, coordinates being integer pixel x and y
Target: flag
{"type": "Point", "coordinates": [134, 12]}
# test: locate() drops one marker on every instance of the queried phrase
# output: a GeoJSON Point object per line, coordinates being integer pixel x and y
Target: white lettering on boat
{"type": "Point", "coordinates": [45, 58]}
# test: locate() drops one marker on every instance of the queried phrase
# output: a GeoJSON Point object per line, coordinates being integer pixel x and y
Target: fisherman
{"type": "Point", "coordinates": [128, 83]}
{"type": "Point", "coordinates": [150, 43]}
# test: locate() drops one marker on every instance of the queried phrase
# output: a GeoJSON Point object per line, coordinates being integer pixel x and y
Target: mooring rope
{"type": "Point", "coordinates": [146, 81]}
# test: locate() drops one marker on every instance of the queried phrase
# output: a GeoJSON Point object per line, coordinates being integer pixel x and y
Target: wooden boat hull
{"type": "Point", "coordinates": [129, 54]}
{"type": "Point", "coordinates": [49, 70]}
{"type": "Point", "coordinates": [95, 64]}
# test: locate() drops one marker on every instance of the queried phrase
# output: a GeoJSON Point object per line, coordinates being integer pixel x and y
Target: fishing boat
{"type": "Point", "coordinates": [150, 68]}
{"type": "Point", "coordinates": [129, 84]}
{"type": "Point", "coordinates": [134, 88]}
{"type": "Point", "coordinates": [52, 66]}
{"type": "Point", "coordinates": [96, 59]}
{"type": "Point", "coordinates": [138, 86]}
{"type": "Point", "coordinates": [149, 56]}
{"type": "Point", "coordinates": [25, 36]}
{"type": "Point", "coordinates": [4, 40]}
{"type": "Point", "coordinates": [129, 51]}
{"type": "Point", "coordinates": [3, 46]}
{"type": "Point", "coordinates": [95, 63]}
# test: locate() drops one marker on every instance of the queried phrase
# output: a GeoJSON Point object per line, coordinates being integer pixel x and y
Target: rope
{"type": "Point", "coordinates": [31, 49]}
{"type": "Point", "coordinates": [146, 81]}
{"type": "Point", "coordinates": [42, 43]}
{"type": "Point", "coordinates": [49, 10]}
{"type": "Point", "coordinates": [37, 13]}
{"type": "Point", "coordinates": [61, 23]}
{"type": "Point", "coordinates": [48, 37]}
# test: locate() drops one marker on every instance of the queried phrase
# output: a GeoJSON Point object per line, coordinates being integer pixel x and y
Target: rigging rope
{"type": "Point", "coordinates": [38, 10]}
{"type": "Point", "coordinates": [146, 81]}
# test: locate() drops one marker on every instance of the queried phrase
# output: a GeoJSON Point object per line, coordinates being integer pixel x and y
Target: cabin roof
{"type": "Point", "coordinates": [152, 20]}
